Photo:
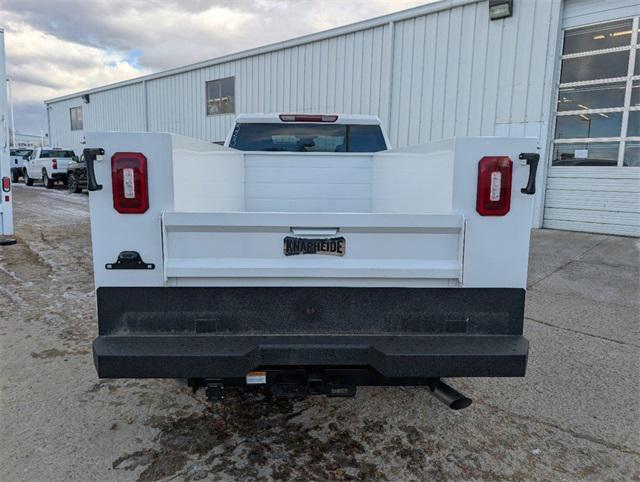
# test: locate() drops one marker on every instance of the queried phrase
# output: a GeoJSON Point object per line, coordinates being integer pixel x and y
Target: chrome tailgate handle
{"type": "Point", "coordinates": [314, 231]}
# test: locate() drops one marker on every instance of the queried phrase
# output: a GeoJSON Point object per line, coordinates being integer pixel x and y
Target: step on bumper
{"type": "Point", "coordinates": [219, 356]}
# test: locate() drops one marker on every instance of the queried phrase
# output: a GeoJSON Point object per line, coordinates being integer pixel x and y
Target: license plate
{"type": "Point", "coordinates": [329, 246]}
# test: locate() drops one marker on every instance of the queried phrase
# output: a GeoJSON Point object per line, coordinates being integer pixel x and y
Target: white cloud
{"type": "Point", "coordinates": [63, 46]}
{"type": "Point", "coordinates": [43, 66]}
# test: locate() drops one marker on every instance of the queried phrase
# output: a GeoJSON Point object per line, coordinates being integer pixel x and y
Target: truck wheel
{"type": "Point", "coordinates": [48, 183]}
{"type": "Point", "coordinates": [27, 180]}
{"type": "Point", "coordinates": [15, 175]}
{"type": "Point", "coordinates": [72, 183]}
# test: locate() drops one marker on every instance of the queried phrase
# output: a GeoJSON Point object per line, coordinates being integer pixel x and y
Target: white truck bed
{"type": "Point", "coordinates": [222, 215]}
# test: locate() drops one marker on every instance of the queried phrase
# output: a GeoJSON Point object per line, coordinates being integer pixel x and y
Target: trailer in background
{"type": "Point", "coordinates": [6, 211]}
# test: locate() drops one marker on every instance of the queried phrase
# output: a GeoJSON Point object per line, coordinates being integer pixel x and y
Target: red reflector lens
{"type": "Point", "coordinates": [129, 182]}
{"type": "Point", "coordinates": [307, 118]}
{"type": "Point", "coordinates": [6, 184]}
{"type": "Point", "coordinates": [494, 186]}
{"type": "Point", "coordinates": [54, 164]}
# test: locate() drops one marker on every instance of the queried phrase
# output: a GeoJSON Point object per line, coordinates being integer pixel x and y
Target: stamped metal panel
{"type": "Point", "coordinates": [309, 182]}
{"type": "Point", "coordinates": [240, 249]}
{"type": "Point", "coordinates": [496, 249]}
{"type": "Point", "coordinates": [112, 232]}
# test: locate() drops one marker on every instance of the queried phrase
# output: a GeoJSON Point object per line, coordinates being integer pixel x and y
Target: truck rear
{"type": "Point", "coordinates": [303, 262]}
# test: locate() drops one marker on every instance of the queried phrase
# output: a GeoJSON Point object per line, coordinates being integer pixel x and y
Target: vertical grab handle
{"type": "Point", "coordinates": [90, 155]}
{"type": "Point", "coordinates": [532, 161]}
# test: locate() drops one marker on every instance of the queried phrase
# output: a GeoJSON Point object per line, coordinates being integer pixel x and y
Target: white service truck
{"type": "Point", "coordinates": [306, 255]}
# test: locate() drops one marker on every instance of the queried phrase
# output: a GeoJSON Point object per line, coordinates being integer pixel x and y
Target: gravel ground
{"type": "Point", "coordinates": [574, 417]}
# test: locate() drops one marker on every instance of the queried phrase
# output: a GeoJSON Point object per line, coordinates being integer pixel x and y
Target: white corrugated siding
{"type": "Point", "coordinates": [120, 109]}
{"type": "Point", "coordinates": [584, 12]}
{"type": "Point", "coordinates": [341, 74]}
{"type": "Point", "coordinates": [448, 72]}
{"type": "Point", "coordinates": [454, 73]}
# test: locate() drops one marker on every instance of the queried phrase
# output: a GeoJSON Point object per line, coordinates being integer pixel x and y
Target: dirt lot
{"type": "Point", "coordinates": [574, 417]}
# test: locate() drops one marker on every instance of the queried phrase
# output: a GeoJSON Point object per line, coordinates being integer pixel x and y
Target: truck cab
{"type": "Point", "coordinates": [17, 158]}
{"type": "Point", "coordinates": [308, 256]}
{"type": "Point", "coordinates": [47, 164]}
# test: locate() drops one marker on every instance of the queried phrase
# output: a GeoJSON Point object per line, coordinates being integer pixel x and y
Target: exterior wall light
{"type": "Point", "coordinates": [500, 9]}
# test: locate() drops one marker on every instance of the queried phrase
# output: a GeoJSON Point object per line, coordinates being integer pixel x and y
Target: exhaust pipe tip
{"type": "Point", "coordinates": [448, 395]}
{"type": "Point", "coordinates": [460, 403]}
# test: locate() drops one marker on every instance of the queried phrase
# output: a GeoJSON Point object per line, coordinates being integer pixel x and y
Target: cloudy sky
{"type": "Point", "coordinates": [55, 47]}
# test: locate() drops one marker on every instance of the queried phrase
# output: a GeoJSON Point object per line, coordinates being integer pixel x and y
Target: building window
{"type": "Point", "coordinates": [221, 96]}
{"type": "Point", "coordinates": [76, 118]}
{"type": "Point", "coordinates": [598, 111]}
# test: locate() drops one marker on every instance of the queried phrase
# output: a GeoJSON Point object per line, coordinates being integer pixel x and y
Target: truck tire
{"type": "Point", "coordinates": [15, 176]}
{"type": "Point", "coordinates": [27, 180]}
{"type": "Point", "coordinates": [48, 183]}
{"type": "Point", "coordinates": [72, 183]}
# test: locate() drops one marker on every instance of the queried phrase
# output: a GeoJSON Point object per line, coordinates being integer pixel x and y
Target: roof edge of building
{"type": "Point", "coordinates": [295, 42]}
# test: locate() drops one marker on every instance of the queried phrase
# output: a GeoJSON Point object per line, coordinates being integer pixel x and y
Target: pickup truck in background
{"type": "Point", "coordinates": [77, 175]}
{"type": "Point", "coordinates": [47, 164]}
{"type": "Point", "coordinates": [307, 256]}
{"type": "Point", "coordinates": [17, 158]}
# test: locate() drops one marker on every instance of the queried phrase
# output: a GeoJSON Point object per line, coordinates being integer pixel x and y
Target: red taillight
{"type": "Point", "coordinates": [54, 164]}
{"type": "Point", "coordinates": [6, 184]}
{"type": "Point", "coordinates": [307, 118]}
{"type": "Point", "coordinates": [494, 186]}
{"type": "Point", "coordinates": [129, 182]}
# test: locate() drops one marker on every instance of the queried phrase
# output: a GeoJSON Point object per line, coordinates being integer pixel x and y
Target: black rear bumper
{"type": "Point", "coordinates": [224, 333]}
{"type": "Point", "coordinates": [233, 357]}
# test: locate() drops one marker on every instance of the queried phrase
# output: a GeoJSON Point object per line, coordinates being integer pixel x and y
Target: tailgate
{"type": "Point", "coordinates": [244, 248]}
{"type": "Point", "coordinates": [63, 163]}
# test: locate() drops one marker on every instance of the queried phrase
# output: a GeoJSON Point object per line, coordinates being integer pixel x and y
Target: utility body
{"type": "Point", "coordinates": [307, 255]}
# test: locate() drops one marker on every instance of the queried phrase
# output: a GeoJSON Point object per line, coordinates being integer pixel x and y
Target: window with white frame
{"type": "Point", "coordinates": [75, 113]}
{"type": "Point", "coordinates": [598, 112]}
{"type": "Point", "coordinates": [221, 96]}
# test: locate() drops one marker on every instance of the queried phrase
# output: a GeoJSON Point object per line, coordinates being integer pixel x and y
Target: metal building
{"type": "Point", "coordinates": [28, 140]}
{"type": "Point", "coordinates": [563, 71]}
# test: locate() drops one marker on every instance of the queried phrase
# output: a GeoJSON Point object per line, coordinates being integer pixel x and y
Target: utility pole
{"type": "Point", "coordinates": [13, 127]}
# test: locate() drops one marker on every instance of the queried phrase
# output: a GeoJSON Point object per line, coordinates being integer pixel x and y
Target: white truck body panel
{"type": "Point", "coordinates": [227, 249]}
{"type": "Point", "coordinates": [6, 198]}
{"type": "Point", "coordinates": [217, 216]}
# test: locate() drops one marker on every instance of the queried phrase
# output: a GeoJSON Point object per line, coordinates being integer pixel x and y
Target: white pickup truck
{"type": "Point", "coordinates": [47, 164]}
{"type": "Point", "coordinates": [307, 256]}
{"type": "Point", "coordinates": [17, 159]}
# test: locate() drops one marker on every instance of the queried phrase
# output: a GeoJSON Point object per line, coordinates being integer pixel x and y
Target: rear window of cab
{"type": "Point", "coordinates": [57, 153]}
{"type": "Point", "coordinates": [307, 137]}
